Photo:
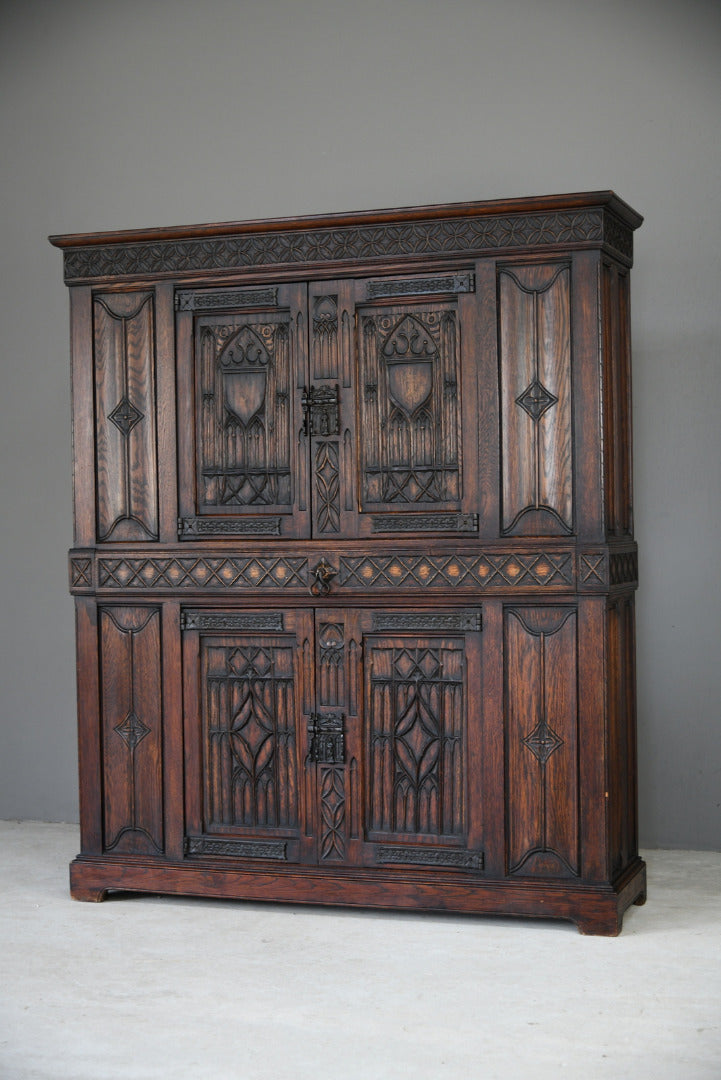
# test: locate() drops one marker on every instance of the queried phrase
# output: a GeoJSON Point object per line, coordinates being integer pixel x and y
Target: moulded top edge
{"type": "Point", "coordinates": [578, 201]}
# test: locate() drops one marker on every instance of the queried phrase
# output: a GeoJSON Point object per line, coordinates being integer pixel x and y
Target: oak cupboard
{"type": "Point", "coordinates": [354, 563]}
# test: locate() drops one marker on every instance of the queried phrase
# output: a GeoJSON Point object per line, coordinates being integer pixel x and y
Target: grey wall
{"type": "Point", "coordinates": [166, 113]}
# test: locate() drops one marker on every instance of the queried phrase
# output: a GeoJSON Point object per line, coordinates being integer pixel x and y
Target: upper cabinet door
{"type": "Point", "coordinates": [393, 415]}
{"type": "Point", "coordinates": [243, 359]}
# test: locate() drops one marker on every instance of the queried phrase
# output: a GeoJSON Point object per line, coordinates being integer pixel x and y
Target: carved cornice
{"type": "Point", "coordinates": [472, 234]}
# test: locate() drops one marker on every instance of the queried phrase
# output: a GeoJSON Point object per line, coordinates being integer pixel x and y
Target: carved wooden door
{"type": "Point", "coordinates": [349, 737]}
{"type": "Point", "coordinates": [247, 707]}
{"type": "Point", "coordinates": [399, 454]}
{"type": "Point", "coordinates": [405, 686]}
{"type": "Point", "coordinates": [243, 363]}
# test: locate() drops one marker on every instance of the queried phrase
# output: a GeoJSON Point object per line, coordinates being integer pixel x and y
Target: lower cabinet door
{"type": "Point", "coordinates": [248, 691]}
{"type": "Point", "coordinates": [348, 737]}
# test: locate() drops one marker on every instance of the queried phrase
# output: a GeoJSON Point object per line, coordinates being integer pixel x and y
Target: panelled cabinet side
{"type": "Point", "coordinates": [354, 562]}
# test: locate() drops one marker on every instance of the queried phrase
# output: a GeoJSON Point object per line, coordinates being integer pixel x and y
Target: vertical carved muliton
{"type": "Point", "coordinates": [132, 729]}
{"type": "Point", "coordinates": [331, 786]}
{"type": "Point", "coordinates": [332, 813]}
{"type": "Point", "coordinates": [327, 486]}
{"type": "Point", "coordinates": [331, 666]}
{"type": "Point", "coordinates": [541, 741]}
{"type": "Point", "coordinates": [617, 402]}
{"type": "Point", "coordinates": [537, 435]}
{"type": "Point", "coordinates": [324, 346]}
{"type": "Point", "coordinates": [126, 446]}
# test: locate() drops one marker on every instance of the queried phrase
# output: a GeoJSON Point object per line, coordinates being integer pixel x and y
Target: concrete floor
{"type": "Point", "coordinates": [148, 987]}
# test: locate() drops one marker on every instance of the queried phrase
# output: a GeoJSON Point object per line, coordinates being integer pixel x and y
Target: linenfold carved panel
{"type": "Point", "coordinates": [131, 729]}
{"type": "Point", "coordinates": [126, 463]}
{"type": "Point", "coordinates": [541, 741]}
{"type": "Point", "coordinates": [536, 419]}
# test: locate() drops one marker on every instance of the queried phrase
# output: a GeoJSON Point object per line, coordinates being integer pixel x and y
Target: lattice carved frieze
{"type": "Point", "coordinates": [593, 569]}
{"type": "Point", "coordinates": [202, 573]}
{"type": "Point", "coordinates": [457, 571]}
{"type": "Point", "coordinates": [601, 570]}
{"type": "Point", "coordinates": [166, 572]}
{"type": "Point", "coordinates": [81, 572]}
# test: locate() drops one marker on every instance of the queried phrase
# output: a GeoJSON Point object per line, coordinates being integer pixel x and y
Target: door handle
{"type": "Point", "coordinates": [323, 574]}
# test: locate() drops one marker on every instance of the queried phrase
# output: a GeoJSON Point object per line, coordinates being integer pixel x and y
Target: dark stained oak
{"type": "Point", "coordinates": [354, 565]}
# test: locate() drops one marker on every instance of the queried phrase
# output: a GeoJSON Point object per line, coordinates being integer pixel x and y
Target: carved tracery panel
{"type": "Point", "coordinates": [250, 733]}
{"type": "Point", "coordinates": [244, 421]}
{"type": "Point", "coordinates": [408, 390]}
{"type": "Point", "coordinates": [415, 721]}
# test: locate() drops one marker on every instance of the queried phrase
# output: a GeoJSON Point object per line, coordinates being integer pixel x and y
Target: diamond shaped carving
{"type": "Point", "coordinates": [536, 400]}
{"type": "Point", "coordinates": [125, 416]}
{"type": "Point", "coordinates": [132, 730]}
{"type": "Point", "coordinates": [543, 741]}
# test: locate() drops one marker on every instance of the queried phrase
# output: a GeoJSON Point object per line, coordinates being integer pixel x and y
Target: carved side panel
{"type": "Point", "coordinates": [131, 729]}
{"type": "Point", "coordinates": [621, 721]}
{"type": "Point", "coordinates": [616, 402]}
{"type": "Point", "coordinates": [536, 407]}
{"type": "Point", "coordinates": [125, 428]}
{"type": "Point", "coordinates": [541, 741]}
{"type": "Point", "coordinates": [244, 412]}
{"type": "Point", "coordinates": [408, 390]}
{"type": "Point", "coordinates": [415, 722]}
{"type": "Point", "coordinates": [250, 732]}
